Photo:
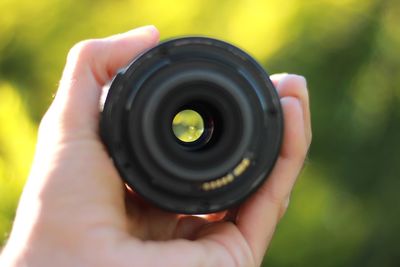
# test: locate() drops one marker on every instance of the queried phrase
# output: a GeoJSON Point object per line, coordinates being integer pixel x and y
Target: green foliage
{"type": "Point", "coordinates": [17, 139]}
{"type": "Point", "coordinates": [344, 210]}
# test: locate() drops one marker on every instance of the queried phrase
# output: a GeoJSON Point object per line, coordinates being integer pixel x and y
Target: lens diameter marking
{"type": "Point", "coordinates": [227, 179]}
{"type": "Point", "coordinates": [241, 167]}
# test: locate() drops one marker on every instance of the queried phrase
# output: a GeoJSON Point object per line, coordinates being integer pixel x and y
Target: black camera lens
{"type": "Point", "coordinates": [194, 125]}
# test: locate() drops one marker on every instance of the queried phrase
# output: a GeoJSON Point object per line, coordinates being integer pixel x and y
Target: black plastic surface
{"type": "Point", "coordinates": [222, 83]}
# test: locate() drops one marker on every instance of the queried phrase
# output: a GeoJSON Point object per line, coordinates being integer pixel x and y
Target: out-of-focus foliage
{"type": "Point", "coordinates": [17, 140]}
{"type": "Point", "coordinates": [345, 208]}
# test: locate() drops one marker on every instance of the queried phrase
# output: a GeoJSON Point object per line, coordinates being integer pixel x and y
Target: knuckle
{"type": "Point", "coordinates": [279, 199]}
{"type": "Point", "coordinates": [276, 198]}
{"type": "Point", "coordinates": [301, 155]}
{"type": "Point", "coordinates": [304, 151]}
{"type": "Point", "coordinates": [284, 207]}
{"type": "Point", "coordinates": [84, 49]}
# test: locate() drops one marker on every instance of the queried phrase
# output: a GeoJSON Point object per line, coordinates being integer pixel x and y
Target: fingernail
{"type": "Point", "coordinates": [293, 81]}
{"type": "Point", "coordinates": [297, 79]}
{"type": "Point", "coordinates": [302, 80]}
{"type": "Point", "coordinates": [287, 201]}
{"type": "Point", "coordinates": [149, 29]}
{"type": "Point", "coordinates": [278, 76]}
{"type": "Point", "coordinates": [284, 207]}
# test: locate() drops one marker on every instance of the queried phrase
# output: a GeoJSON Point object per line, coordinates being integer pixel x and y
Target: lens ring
{"type": "Point", "coordinates": [125, 139]}
{"type": "Point", "coordinates": [163, 156]}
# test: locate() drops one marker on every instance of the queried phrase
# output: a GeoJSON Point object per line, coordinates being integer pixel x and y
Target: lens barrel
{"type": "Point", "coordinates": [238, 139]}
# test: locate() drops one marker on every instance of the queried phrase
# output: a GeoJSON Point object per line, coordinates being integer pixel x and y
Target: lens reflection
{"type": "Point", "coordinates": [188, 125]}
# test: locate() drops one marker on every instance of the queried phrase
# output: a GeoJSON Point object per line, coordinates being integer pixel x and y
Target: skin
{"type": "Point", "coordinates": [75, 211]}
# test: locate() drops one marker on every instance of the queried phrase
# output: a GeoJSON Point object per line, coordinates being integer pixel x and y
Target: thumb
{"type": "Point", "coordinates": [90, 65]}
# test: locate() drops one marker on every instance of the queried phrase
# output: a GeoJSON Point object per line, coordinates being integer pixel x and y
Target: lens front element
{"type": "Point", "coordinates": [188, 126]}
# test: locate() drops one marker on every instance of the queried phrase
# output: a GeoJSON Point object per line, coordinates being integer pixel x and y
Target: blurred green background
{"type": "Point", "coordinates": [345, 208]}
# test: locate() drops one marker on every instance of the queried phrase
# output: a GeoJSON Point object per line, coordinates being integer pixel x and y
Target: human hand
{"type": "Point", "coordinates": [76, 211]}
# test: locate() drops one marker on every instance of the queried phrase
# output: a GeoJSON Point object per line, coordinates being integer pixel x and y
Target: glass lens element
{"type": "Point", "coordinates": [188, 125]}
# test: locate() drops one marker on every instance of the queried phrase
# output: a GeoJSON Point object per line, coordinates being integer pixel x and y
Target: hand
{"type": "Point", "coordinates": [75, 210]}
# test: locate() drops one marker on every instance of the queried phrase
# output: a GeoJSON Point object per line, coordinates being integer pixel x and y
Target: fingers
{"type": "Point", "coordinates": [283, 82]}
{"type": "Point", "coordinates": [258, 216]}
{"type": "Point", "coordinates": [91, 64]}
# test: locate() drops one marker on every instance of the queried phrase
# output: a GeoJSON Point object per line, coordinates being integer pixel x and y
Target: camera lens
{"type": "Point", "coordinates": [194, 125]}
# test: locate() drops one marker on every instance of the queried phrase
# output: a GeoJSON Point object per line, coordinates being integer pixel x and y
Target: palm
{"type": "Point", "coordinates": [113, 208]}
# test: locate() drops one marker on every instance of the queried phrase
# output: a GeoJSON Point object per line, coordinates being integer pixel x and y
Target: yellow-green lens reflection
{"type": "Point", "coordinates": [188, 125]}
